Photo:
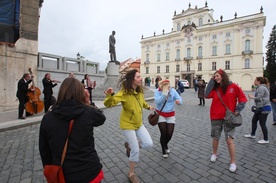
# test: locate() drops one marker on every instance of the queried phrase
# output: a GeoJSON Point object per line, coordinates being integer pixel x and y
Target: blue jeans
{"type": "Point", "coordinates": [131, 137]}
{"type": "Point", "coordinates": [273, 105]}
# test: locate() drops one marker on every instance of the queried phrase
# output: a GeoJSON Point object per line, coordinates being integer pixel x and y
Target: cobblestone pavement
{"type": "Point", "coordinates": [187, 162]}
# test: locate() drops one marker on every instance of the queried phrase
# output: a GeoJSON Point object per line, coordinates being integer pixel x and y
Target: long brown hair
{"type": "Point", "coordinates": [224, 81]}
{"type": "Point", "coordinates": [126, 82]}
{"type": "Point", "coordinates": [71, 89]}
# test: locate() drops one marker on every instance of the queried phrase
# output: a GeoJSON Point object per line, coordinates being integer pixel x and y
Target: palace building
{"type": "Point", "coordinates": [198, 45]}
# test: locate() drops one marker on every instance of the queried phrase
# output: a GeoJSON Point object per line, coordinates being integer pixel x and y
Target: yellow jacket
{"type": "Point", "coordinates": [131, 116]}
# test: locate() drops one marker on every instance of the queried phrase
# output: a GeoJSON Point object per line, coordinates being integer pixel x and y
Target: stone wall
{"type": "Point", "coordinates": [16, 58]}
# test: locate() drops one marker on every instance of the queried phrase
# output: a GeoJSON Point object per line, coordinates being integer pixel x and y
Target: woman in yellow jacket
{"type": "Point", "coordinates": [132, 99]}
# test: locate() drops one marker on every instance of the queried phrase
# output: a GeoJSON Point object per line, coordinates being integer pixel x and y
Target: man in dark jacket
{"type": "Point", "coordinates": [273, 101]}
{"type": "Point", "coordinates": [48, 85]}
{"type": "Point", "coordinates": [21, 94]}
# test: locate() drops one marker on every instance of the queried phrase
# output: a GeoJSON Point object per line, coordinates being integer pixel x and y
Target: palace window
{"type": "Point", "coordinates": [178, 27]}
{"type": "Point", "coordinates": [200, 22]}
{"type": "Point", "coordinates": [227, 34]}
{"type": "Point", "coordinates": [227, 49]}
{"type": "Point", "coordinates": [214, 50]}
{"type": "Point", "coordinates": [247, 63]}
{"type": "Point", "coordinates": [188, 67]}
{"type": "Point", "coordinates": [147, 57]}
{"type": "Point", "coordinates": [200, 51]}
{"type": "Point", "coordinates": [199, 67]}
{"type": "Point", "coordinates": [227, 65]}
{"type": "Point", "coordinates": [188, 52]}
{"type": "Point", "coordinates": [147, 70]}
{"type": "Point", "coordinates": [167, 56]}
{"type": "Point", "coordinates": [158, 69]}
{"type": "Point", "coordinates": [177, 69]}
{"type": "Point", "coordinates": [167, 69]}
{"type": "Point", "coordinates": [247, 45]}
{"type": "Point", "coordinates": [214, 66]}
{"type": "Point", "coordinates": [158, 57]}
{"type": "Point", "coordinates": [178, 54]}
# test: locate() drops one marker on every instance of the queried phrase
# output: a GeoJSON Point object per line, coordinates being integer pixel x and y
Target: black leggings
{"type": "Point", "coordinates": [262, 119]}
{"type": "Point", "coordinates": [166, 130]}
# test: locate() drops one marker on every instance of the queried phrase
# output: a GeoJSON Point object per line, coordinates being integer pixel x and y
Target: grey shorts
{"type": "Point", "coordinates": [216, 130]}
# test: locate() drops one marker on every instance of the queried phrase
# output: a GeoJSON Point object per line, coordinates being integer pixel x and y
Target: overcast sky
{"type": "Point", "coordinates": [67, 27]}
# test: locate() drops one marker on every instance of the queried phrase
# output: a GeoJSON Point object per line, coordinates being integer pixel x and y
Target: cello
{"type": "Point", "coordinates": [34, 104]}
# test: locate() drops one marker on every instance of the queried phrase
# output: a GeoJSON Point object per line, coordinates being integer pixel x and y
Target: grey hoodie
{"type": "Point", "coordinates": [262, 97]}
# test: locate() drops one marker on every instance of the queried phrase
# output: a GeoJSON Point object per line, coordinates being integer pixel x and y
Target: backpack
{"type": "Point", "coordinates": [181, 87]}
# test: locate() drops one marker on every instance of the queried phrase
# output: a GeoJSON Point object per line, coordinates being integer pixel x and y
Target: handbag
{"type": "Point", "coordinates": [230, 118]}
{"type": "Point", "coordinates": [153, 117]}
{"type": "Point", "coordinates": [54, 173]}
{"type": "Point", "coordinates": [256, 109]}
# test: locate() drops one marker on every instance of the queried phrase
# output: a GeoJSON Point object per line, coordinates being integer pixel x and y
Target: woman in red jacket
{"type": "Point", "coordinates": [231, 94]}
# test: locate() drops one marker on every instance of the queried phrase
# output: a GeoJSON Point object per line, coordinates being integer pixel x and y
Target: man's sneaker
{"type": "Point", "coordinates": [249, 136]}
{"type": "Point", "coordinates": [274, 123]}
{"type": "Point", "coordinates": [127, 149]}
{"type": "Point", "coordinates": [213, 158]}
{"type": "Point", "coordinates": [233, 167]}
{"type": "Point", "coordinates": [168, 151]}
{"type": "Point", "coordinates": [165, 155]}
{"type": "Point", "coordinates": [263, 141]}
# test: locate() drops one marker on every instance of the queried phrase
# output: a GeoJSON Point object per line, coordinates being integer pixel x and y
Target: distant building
{"type": "Point", "coordinates": [198, 45]}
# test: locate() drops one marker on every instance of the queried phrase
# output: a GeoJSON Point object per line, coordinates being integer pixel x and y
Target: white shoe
{"type": "Point", "coordinates": [213, 158]}
{"type": "Point", "coordinates": [249, 136]}
{"type": "Point", "coordinates": [233, 167]}
{"type": "Point", "coordinates": [263, 141]}
{"type": "Point", "coordinates": [165, 155]}
{"type": "Point", "coordinates": [168, 151]}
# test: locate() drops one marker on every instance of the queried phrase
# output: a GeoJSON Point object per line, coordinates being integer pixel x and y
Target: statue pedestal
{"type": "Point", "coordinates": [112, 69]}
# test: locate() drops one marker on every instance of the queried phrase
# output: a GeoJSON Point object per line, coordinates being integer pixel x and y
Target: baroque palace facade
{"type": "Point", "coordinates": [198, 45]}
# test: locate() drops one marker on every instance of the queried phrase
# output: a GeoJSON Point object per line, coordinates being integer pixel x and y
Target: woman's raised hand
{"type": "Point", "coordinates": [109, 91]}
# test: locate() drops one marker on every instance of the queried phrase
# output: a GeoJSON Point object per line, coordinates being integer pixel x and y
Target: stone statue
{"type": "Point", "coordinates": [112, 42]}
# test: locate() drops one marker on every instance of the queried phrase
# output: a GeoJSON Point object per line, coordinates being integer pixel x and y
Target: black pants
{"type": "Point", "coordinates": [166, 130]}
{"type": "Point", "coordinates": [21, 107]}
{"type": "Point", "coordinates": [47, 101]}
{"type": "Point", "coordinates": [90, 93]}
{"type": "Point", "coordinates": [262, 119]}
{"type": "Point", "coordinates": [201, 101]}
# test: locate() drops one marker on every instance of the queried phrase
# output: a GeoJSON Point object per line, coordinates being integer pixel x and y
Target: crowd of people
{"type": "Point", "coordinates": [74, 103]}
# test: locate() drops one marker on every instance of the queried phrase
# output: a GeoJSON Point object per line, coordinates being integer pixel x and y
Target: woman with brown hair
{"type": "Point", "coordinates": [132, 99]}
{"type": "Point", "coordinates": [262, 101]}
{"type": "Point", "coordinates": [231, 94]}
{"type": "Point", "coordinates": [81, 162]}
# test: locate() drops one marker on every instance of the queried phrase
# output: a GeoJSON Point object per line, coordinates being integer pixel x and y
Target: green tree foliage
{"type": "Point", "coordinates": [271, 56]}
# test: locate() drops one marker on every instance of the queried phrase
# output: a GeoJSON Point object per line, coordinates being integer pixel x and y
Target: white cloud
{"type": "Point", "coordinates": [67, 26]}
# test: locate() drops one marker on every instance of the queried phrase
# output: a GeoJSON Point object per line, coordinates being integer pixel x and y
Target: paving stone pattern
{"type": "Point", "coordinates": [188, 161]}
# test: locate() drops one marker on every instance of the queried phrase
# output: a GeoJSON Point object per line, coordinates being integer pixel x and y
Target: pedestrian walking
{"type": "Point", "coordinates": [81, 163]}
{"type": "Point", "coordinates": [201, 88]}
{"type": "Point", "coordinates": [157, 79]}
{"type": "Point", "coordinates": [273, 101]}
{"type": "Point", "coordinates": [262, 100]}
{"type": "Point", "coordinates": [166, 96]}
{"type": "Point", "coordinates": [231, 94]}
{"type": "Point", "coordinates": [132, 99]}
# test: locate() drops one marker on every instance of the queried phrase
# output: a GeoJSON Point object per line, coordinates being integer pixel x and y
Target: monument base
{"type": "Point", "coordinates": [113, 68]}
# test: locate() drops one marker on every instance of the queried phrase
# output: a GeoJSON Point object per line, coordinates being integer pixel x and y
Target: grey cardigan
{"type": "Point", "coordinates": [262, 97]}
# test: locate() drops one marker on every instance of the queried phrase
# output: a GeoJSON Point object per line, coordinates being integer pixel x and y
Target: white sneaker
{"type": "Point", "coordinates": [168, 151]}
{"type": "Point", "coordinates": [165, 155]}
{"type": "Point", "coordinates": [249, 136]}
{"type": "Point", "coordinates": [233, 167]}
{"type": "Point", "coordinates": [213, 158]}
{"type": "Point", "coordinates": [263, 141]}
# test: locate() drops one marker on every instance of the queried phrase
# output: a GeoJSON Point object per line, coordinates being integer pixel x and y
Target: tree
{"type": "Point", "coordinates": [271, 56]}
